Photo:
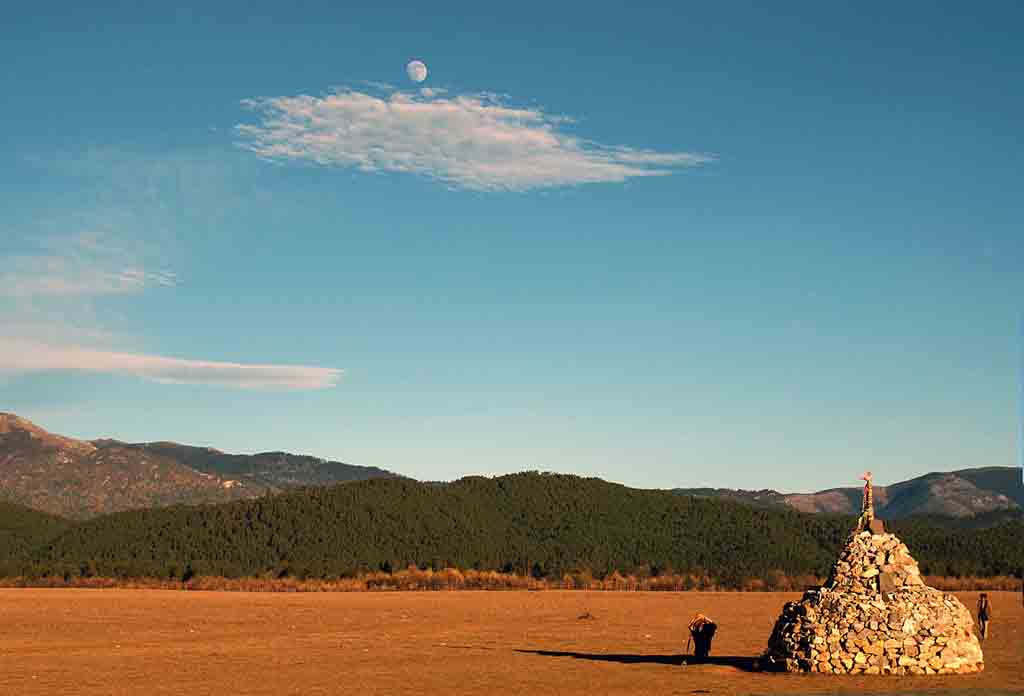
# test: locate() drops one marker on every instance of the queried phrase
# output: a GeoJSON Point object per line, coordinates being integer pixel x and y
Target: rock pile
{"type": "Point", "coordinates": [875, 616]}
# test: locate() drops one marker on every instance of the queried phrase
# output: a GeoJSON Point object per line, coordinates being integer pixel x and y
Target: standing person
{"type": "Point", "coordinates": [984, 614]}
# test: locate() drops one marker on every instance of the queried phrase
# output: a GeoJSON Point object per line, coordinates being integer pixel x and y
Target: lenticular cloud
{"type": "Point", "coordinates": [23, 355]}
{"type": "Point", "coordinates": [471, 141]}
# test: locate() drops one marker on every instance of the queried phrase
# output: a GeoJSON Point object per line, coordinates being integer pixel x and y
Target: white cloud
{"type": "Point", "coordinates": [470, 141]}
{"type": "Point", "coordinates": [21, 356]}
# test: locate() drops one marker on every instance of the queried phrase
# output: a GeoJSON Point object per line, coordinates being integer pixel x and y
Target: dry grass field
{"type": "Point", "coordinates": [111, 642]}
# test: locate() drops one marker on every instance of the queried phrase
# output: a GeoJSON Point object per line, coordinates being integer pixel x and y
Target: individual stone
{"type": "Point", "coordinates": [888, 582]}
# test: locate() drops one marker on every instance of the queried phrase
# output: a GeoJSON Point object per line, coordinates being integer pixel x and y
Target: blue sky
{"type": "Point", "coordinates": [667, 246]}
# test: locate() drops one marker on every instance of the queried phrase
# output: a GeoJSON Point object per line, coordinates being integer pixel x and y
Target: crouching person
{"type": "Point", "coordinates": [702, 630]}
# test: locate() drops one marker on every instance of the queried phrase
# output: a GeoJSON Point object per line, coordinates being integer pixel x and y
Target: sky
{"type": "Point", "coordinates": [666, 245]}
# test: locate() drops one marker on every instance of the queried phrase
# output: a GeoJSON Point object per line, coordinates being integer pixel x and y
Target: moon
{"type": "Point", "coordinates": [416, 70]}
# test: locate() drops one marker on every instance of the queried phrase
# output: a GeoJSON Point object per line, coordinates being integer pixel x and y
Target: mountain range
{"type": "Point", "coordinates": [81, 479]}
{"type": "Point", "coordinates": [988, 492]}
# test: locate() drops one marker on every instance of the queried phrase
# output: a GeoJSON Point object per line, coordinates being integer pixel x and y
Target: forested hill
{"type": "Point", "coordinates": [544, 524]}
{"type": "Point", "coordinates": [23, 530]}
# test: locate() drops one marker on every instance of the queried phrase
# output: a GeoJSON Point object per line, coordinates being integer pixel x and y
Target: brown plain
{"type": "Point", "coordinates": [110, 642]}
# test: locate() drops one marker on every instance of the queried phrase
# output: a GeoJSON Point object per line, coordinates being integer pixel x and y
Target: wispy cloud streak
{"type": "Point", "coordinates": [20, 356]}
{"type": "Point", "coordinates": [472, 141]}
{"type": "Point", "coordinates": [55, 292]}
{"type": "Point", "coordinates": [78, 266]}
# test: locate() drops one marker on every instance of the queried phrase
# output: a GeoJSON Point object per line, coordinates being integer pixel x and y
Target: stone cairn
{"type": "Point", "coordinates": [875, 616]}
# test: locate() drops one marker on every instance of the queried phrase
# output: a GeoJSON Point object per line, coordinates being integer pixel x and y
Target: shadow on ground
{"type": "Point", "coordinates": [747, 664]}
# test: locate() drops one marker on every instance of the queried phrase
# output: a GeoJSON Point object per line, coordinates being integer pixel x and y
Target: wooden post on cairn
{"type": "Point", "coordinates": [867, 511]}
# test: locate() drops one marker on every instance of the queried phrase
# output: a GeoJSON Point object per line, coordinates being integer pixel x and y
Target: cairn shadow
{"type": "Point", "coordinates": [746, 664]}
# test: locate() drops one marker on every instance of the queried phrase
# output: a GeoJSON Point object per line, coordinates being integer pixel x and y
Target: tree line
{"type": "Point", "coordinates": [542, 525]}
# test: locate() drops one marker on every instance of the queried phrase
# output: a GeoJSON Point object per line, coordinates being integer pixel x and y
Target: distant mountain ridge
{"type": "Point", "coordinates": [274, 470]}
{"type": "Point", "coordinates": [79, 479]}
{"type": "Point", "coordinates": [994, 492]}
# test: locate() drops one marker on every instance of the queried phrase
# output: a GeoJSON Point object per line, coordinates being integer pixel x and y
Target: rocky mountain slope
{"type": "Point", "coordinates": [80, 479]}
